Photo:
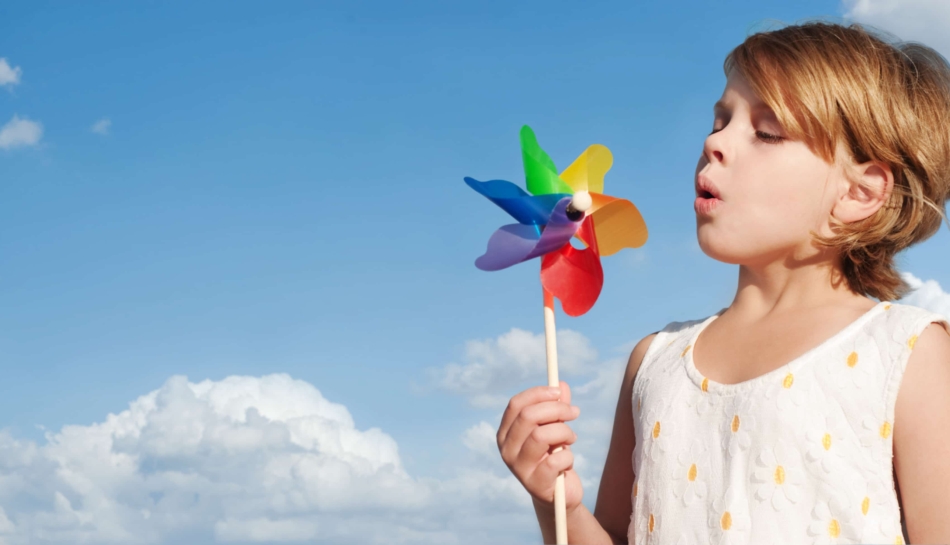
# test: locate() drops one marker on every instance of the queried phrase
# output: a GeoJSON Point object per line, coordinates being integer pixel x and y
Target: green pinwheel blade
{"type": "Point", "coordinates": [540, 173]}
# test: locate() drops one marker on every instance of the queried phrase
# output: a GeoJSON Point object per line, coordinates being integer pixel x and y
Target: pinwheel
{"type": "Point", "coordinates": [558, 208]}
{"type": "Point", "coordinates": [555, 209]}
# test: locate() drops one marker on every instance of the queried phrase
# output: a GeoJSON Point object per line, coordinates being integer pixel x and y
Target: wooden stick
{"type": "Point", "coordinates": [550, 343]}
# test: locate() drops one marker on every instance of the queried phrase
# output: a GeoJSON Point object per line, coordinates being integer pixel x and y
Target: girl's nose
{"type": "Point", "coordinates": [712, 148]}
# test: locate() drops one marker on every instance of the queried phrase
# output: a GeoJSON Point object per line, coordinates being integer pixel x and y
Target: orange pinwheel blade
{"type": "Point", "coordinates": [617, 224]}
{"type": "Point", "coordinates": [587, 172]}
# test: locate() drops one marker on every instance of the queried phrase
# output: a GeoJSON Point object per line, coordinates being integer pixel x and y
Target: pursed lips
{"type": "Point", "coordinates": [705, 188]}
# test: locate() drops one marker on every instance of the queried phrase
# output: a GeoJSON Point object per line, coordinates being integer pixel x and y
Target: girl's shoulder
{"type": "Point", "coordinates": [902, 324]}
{"type": "Point", "coordinates": [683, 329]}
{"type": "Point", "coordinates": [680, 328]}
{"type": "Point", "coordinates": [900, 312]}
{"type": "Point", "coordinates": [675, 336]}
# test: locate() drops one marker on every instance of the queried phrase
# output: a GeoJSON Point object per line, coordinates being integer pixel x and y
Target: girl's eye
{"type": "Point", "coordinates": [770, 138]}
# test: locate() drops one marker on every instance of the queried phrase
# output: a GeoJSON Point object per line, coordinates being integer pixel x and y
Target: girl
{"type": "Point", "coordinates": [806, 411]}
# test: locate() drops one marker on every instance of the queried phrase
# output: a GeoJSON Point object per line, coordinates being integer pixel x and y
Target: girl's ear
{"type": "Point", "coordinates": [868, 188]}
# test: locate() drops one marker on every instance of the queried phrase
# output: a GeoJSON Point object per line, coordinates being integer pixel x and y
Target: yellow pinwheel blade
{"type": "Point", "coordinates": [586, 173]}
{"type": "Point", "coordinates": [617, 224]}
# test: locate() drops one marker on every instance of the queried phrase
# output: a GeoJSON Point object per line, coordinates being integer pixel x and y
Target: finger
{"type": "Point", "coordinates": [546, 471]}
{"type": "Point", "coordinates": [565, 392]}
{"type": "Point", "coordinates": [542, 440]}
{"type": "Point", "coordinates": [530, 418]}
{"type": "Point", "coordinates": [521, 400]}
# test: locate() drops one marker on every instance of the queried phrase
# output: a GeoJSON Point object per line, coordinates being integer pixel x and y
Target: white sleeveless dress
{"type": "Point", "coordinates": [801, 454]}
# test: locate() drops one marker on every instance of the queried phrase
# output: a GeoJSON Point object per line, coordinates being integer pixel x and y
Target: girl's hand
{"type": "Point", "coordinates": [531, 428]}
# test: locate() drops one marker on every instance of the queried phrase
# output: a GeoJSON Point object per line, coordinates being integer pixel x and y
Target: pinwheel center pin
{"type": "Point", "coordinates": [580, 203]}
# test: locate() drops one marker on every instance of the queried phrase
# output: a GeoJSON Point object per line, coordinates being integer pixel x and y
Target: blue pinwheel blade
{"type": "Point", "coordinates": [526, 209]}
{"type": "Point", "coordinates": [512, 244]}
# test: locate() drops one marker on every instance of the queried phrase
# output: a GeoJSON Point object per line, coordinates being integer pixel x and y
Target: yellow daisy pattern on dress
{"type": "Point", "coordinates": [778, 476]}
{"type": "Point", "coordinates": [854, 367]}
{"type": "Point", "coordinates": [658, 435]}
{"type": "Point", "coordinates": [869, 501]}
{"type": "Point", "coordinates": [649, 525]}
{"type": "Point", "coordinates": [700, 400]}
{"type": "Point", "coordinates": [826, 444]}
{"type": "Point", "coordinates": [787, 391]}
{"type": "Point", "coordinates": [833, 522]}
{"type": "Point", "coordinates": [877, 428]}
{"type": "Point", "coordinates": [728, 519]}
{"type": "Point", "coordinates": [738, 424]}
{"type": "Point", "coordinates": [681, 347]}
{"type": "Point", "coordinates": [691, 473]}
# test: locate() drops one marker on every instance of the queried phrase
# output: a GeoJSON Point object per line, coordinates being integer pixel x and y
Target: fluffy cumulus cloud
{"type": "Point", "coordinates": [271, 460]}
{"type": "Point", "coordinates": [493, 370]}
{"type": "Point", "coordinates": [102, 126]}
{"type": "Point", "coordinates": [923, 21]}
{"type": "Point", "coordinates": [493, 366]}
{"type": "Point", "coordinates": [9, 76]}
{"type": "Point", "coordinates": [244, 459]}
{"type": "Point", "coordinates": [20, 132]}
{"type": "Point", "coordinates": [927, 294]}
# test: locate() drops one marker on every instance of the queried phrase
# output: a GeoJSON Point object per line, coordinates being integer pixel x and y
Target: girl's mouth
{"type": "Point", "coordinates": [706, 203]}
{"type": "Point", "coordinates": [707, 197]}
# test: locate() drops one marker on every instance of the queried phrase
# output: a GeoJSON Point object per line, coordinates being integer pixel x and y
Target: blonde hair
{"type": "Point", "coordinates": [830, 84]}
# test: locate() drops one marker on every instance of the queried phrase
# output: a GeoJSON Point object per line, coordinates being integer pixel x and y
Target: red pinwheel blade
{"type": "Point", "coordinates": [574, 276]}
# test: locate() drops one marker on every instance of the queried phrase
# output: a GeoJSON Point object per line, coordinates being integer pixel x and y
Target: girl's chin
{"type": "Point", "coordinates": [752, 251]}
{"type": "Point", "coordinates": [721, 250]}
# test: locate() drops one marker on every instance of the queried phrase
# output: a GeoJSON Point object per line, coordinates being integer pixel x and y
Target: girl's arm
{"type": "Point", "coordinates": [922, 438]}
{"type": "Point", "coordinates": [613, 506]}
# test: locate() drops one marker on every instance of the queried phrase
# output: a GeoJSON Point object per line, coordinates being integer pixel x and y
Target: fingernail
{"type": "Point", "coordinates": [554, 391]}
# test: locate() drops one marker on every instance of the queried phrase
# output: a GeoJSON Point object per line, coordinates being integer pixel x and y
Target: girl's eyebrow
{"type": "Point", "coordinates": [721, 106]}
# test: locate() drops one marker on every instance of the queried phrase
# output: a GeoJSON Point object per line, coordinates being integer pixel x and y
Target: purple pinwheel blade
{"type": "Point", "coordinates": [525, 208]}
{"type": "Point", "coordinates": [512, 244]}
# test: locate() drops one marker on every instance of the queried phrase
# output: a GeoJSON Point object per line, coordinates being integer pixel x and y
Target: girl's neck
{"type": "Point", "coordinates": [778, 288]}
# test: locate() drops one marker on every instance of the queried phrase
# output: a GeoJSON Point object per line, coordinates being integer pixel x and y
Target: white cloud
{"type": "Point", "coordinates": [493, 366]}
{"type": "Point", "coordinates": [481, 440]}
{"type": "Point", "coordinates": [264, 529]}
{"type": "Point", "coordinates": [497, 369]}
{"type": "Point", "coordinates": [269, 459]}
{"type": "Point", "coordinates": [9, 76]}
{"type": "Point", "coordinates": [924, 21]}
{"type": "Point", "coordinates": [20, 133]}
{"type": "Point", "coordinates": [101, 126]}
{"type": "Point", "coordinates": [605, 386]}
{"type": "Point", "coordinates": [247, 459]}
{"type": "Point", "coordinates": [491, 376]}
{"type": "Point", "coordinates": [927, 294]}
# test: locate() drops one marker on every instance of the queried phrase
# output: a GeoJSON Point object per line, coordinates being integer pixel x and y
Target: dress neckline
{"type": "Point", "coordinates": [708, 385]}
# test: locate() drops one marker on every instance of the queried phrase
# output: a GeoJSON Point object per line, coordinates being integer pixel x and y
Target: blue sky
{"type": "Point", "coordinates": [278, 189]}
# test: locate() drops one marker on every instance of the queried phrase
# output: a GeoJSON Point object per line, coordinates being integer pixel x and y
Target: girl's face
{"type": "Point", "coordinates": [759, 194]}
